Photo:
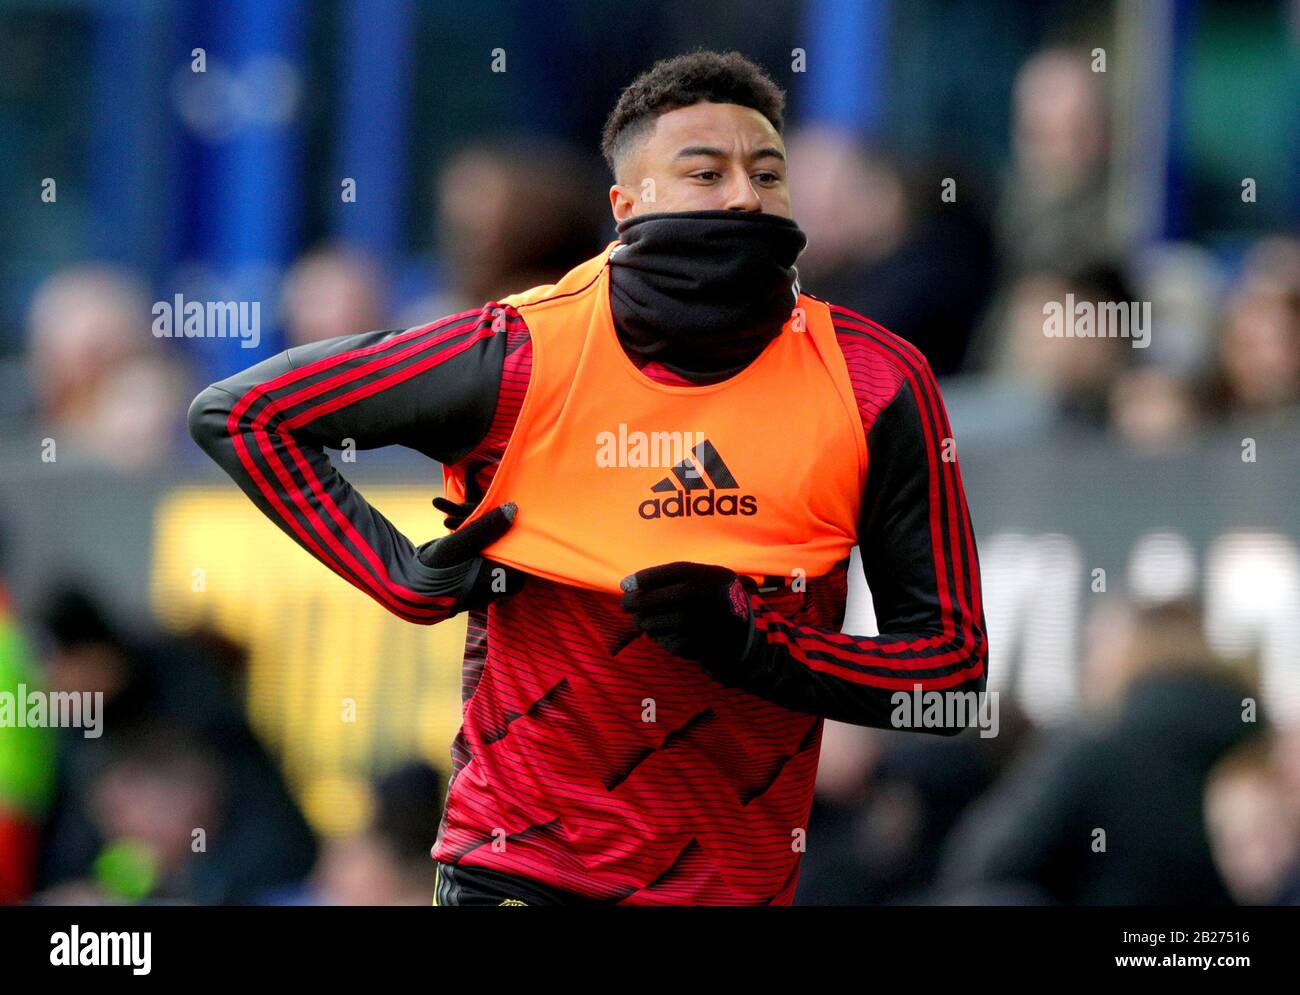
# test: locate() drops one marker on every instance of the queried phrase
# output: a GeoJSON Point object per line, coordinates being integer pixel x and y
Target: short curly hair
{"type": "Point", "coordinates": [715, 77]}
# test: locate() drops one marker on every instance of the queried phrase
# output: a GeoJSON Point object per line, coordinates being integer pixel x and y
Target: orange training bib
{"type": "Point", "coordinates": [613, 472]}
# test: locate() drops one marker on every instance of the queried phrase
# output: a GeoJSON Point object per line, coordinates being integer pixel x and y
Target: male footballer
{"type": "Point", "coordinates": [653, 644]}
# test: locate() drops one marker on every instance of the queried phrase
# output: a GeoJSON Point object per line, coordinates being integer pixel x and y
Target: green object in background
{"type": "Point", "coordinates": [1241, 94]}
{"type": "Point", "coordinates": [127, 869]}
{"type": "Point", "coordinates": [27, 754]}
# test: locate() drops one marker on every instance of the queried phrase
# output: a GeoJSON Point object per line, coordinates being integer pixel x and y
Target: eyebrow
{"type": "Point", "coordinates": [767, 152]}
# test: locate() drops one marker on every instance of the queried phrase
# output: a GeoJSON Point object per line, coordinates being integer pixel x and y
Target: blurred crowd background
{"type": "Point", "coordinates": [955, 164]}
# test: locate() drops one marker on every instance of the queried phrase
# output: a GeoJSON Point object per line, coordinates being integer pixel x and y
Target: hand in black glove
{"type": "Point", "coordinates": [458, 569]}
{"type": "Point", "coordinates": [456, 511]}
{"type": "Point", "coordinates": [693, 610]}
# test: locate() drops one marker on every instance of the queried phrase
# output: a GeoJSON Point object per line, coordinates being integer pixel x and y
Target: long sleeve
{"type": "Point", "coordinates": [918, 553]}
{"type": "Point", "coordinates": [432, 389]}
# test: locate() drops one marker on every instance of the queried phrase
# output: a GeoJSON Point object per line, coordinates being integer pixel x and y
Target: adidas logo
{"type": "Point", "coordinates": [694, 484]}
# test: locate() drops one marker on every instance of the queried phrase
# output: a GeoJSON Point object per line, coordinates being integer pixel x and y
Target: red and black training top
{"type": "Point", "coordinates": [557, 777]}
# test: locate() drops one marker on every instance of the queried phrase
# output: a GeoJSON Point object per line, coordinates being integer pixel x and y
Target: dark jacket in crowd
{"type": "Point", "coordinates": [1140, 779]}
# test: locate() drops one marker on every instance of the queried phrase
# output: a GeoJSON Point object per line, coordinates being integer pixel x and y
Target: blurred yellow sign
{"type": "Point", "coordinates": [338, 688]}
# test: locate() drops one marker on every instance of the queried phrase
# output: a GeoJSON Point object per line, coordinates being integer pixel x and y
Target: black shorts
{"type": "Point", "coordinates": [456, 885]}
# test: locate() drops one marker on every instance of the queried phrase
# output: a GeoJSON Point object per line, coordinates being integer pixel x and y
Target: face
{"type": "Point", "coordinates": [706, 157]}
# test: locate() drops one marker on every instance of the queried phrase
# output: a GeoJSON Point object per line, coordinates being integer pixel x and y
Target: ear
{"type": "Point", "coordinates": [622, 202]}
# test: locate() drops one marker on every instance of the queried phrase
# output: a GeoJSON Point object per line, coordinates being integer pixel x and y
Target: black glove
{"type": "Point", "coordinates": [693, 610]}
{"type": "Point", "coordinates": [456, 511]}
{"type": "Point", "coordinates": [459, 571]}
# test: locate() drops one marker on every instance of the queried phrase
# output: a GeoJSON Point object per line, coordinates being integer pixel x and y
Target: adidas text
{"type": "Point", "coordinates": [698, 505]}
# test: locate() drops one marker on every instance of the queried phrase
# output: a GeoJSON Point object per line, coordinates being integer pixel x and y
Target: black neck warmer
{"type": "Point", "coordinates": [703, 292]}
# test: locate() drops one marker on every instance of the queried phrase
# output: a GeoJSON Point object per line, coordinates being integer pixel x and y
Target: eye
{"type": "Point", "coordinates": [767, 177]}
{"type": "Point", "coordinates": [707, 174]}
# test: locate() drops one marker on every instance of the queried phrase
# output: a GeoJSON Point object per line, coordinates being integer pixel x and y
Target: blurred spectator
{"type": "Point", "coordinates": [884, 804]}
{"type": "Point", "coordinates": [833, 870]}
{"type": "Point", "coordinates": [919, 791]}
{"type": "Point", "coordinates": [1053, 210]}
{"type": "Point", "coordinates": [1041, 383]}
{"type": "Point", "coordinates": [332, 291]}
{"type": "Point", "coordinates": [159, 690]}
{"type": "Point", "coordinates": [883, 243]}
{"type": "Point", "coordinates": [512, 214]}
{"type": "Point", "coordinates": [1257, 357]}
{"type": "Point", "coordinates": [1052, 236]}
{"type": "Point", "coordinates": [101, 383]}
{"type": "Point", "coordinates": [1252, 364]}
{"type": "Point", "coordinates": [160, 809]}
{"type": "Point", "coordinates": [1153, 403]}
{"type": "Point", "coordinates": [1185, 284]}
{"type": "Point", "coordinates": [1153, 408]}
{"type": "Point", "coordinates": [1252, 826]}
{"type": "Point", "coordinates": [389, 862]}
{"type": "Point", "coordinates": [1135, 773]}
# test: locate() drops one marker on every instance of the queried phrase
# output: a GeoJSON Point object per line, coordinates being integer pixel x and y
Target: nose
{"type": "Point", "coordinates": [741, 195]}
